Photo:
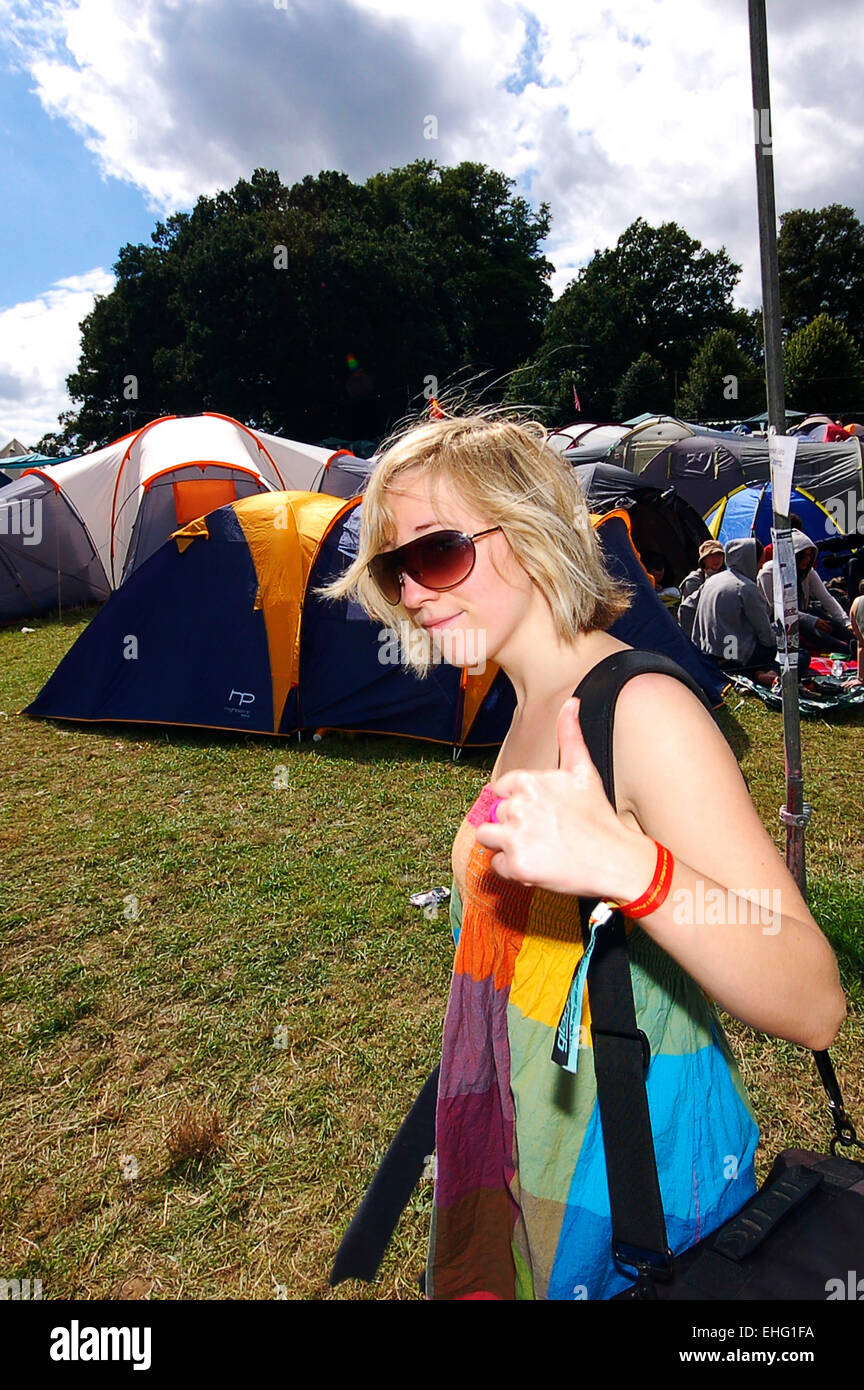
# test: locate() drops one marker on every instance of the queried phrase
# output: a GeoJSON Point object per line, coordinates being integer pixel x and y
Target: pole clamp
{"type": "Point", "coordinates": [795, 818]}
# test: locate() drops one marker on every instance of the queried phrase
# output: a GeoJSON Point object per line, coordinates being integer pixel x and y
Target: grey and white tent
{"type": "Point", "coordinates": [74, 532]}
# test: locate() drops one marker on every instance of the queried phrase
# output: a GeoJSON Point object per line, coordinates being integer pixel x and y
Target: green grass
{"type": "Point", "coordinates": [180, 933]}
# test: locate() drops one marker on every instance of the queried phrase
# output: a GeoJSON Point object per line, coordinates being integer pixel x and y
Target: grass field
{"type": "Point", "coordinates": [218, 1003]}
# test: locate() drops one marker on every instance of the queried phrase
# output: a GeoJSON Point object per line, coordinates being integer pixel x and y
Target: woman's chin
{"type": "Point", "coordinates": [455, 645]}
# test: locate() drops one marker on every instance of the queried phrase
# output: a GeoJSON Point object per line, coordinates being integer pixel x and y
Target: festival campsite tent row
{"type": "Point", "coordinates": [212, 617]}
{"type": "Point", "coordinates": [706, 465]}
{"type": "Point", "coordinates": [74, 532]}
{"type": "Point", "coordinates": [222, 628]}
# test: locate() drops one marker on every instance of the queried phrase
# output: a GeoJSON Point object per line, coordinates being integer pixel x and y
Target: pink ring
{"type": "Point", "coordinates": [493, 809]}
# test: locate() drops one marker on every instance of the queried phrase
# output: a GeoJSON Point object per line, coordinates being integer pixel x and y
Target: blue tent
{"type": "Point", "coordinates": [222, 628]}
{"type": "Point", "coordinates": [748, 511]}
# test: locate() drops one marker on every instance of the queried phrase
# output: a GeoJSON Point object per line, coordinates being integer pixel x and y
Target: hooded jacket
{"type": "Point", "coordinates": [732, 617]}
{"type": "Point", "coordinates": [811, 589]}
{"type": "Point", "coordinates": [691, 592]}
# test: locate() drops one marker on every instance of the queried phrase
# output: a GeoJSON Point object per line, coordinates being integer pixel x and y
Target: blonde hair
{"type": "Point", "coordinates": [506, 472]}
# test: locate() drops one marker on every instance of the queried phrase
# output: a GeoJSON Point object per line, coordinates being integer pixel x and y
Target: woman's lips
{"type": "Point", "coordinates": [442, 622]}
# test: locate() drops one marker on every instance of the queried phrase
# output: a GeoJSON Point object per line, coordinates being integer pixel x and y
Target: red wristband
{"type": "Point", "coordinates": [657, 889]}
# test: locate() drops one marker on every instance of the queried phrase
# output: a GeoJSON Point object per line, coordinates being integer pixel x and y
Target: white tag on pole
{"type": "Point", "coordinates": [785, 584]}
{"type": "Point", "coordinates": [782, 449]}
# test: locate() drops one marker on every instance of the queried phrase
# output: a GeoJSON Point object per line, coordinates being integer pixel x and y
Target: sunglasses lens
{"type": "Point", "coordinates": [439, 561]}
{"type": "Point", "coordinates": [386, 571]}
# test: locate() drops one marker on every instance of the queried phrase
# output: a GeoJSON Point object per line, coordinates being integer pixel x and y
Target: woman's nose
{"type": "Point", "coordinates": [414, 594]}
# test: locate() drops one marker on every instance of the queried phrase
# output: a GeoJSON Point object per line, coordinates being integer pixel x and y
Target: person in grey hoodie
{"type": "Point", "coordinates": [828, 631]}
{"type": "Point", "coordinates": [733, 621]}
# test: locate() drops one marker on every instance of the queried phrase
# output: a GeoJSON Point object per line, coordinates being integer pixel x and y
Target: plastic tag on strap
{"type": "Point", "coordinates": [568, 1036]}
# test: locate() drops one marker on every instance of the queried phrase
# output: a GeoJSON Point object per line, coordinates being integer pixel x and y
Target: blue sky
{"type": "Point", "coordinates": [67, 216]}
{"type": "Point", "coordinates": [116, 112]}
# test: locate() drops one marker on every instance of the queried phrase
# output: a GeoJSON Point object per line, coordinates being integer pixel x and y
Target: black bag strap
{"type": "Point", "coordinates": [599, 690]}
{"type": "Point", "coordinates": [362, 1247]}
{"type": "Point", "coordinates": [621, 1051]}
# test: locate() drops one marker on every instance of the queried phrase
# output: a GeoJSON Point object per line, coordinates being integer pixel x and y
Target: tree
{"type": "Point", "coordinates": [643, 387]}
{"type": "Point", "coordinates": [657, 291]}
{"type": "Point", "coordinates": [749, 329]}
{"type": "Point", "coordinates": [821, 257]}
{"type": "Point", "coordinates": [723, 382]}
{"type": "Point", "coordinates": [65, 442]}
{"type": "Point", "coordinates": [824, 369]}
{"type": "Point", "coordinates": [327, 308]}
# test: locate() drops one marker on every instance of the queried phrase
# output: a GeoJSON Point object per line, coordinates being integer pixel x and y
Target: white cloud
{"type": "Point", "coordinates": [39, 347]}
{"type": "Point", "coordinates": [639, 109]}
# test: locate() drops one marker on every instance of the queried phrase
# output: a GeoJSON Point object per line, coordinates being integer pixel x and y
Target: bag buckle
{"type": "Point", "coordinates": [639, 1035]}
{"type": "Point", "coordinates": [844, 1132]}
{"type": "Point", "coordinates": [652, 1266]}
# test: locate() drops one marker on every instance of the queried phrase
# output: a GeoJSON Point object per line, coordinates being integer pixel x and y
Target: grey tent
{"type": "Point", "coordinates": [705, 469]}
{"type": "Point", "coordinates": [47, 556]}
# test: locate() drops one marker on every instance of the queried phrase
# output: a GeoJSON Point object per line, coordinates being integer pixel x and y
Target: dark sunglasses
{"type": "Point", "coordinates": [437, 561]}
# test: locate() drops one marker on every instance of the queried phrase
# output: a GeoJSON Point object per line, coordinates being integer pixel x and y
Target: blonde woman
{"type": "Point", "coordinates": [473, 526]}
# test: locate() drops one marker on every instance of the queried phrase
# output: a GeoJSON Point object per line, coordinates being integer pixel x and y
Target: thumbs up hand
{"type": "Point", "coordinates": [558, 830]}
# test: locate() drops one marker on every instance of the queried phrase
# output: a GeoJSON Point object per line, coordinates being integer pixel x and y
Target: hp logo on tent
{"type": "Point", "coordinates": [239, 702]}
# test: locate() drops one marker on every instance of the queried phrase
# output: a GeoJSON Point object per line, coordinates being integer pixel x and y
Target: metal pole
{"type": "Point", "coordinates": [767, 216]}
{"type": "Point", "coordinates": [795, 813]}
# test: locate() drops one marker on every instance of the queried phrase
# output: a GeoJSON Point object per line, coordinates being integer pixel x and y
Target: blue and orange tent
{"type": "Point", "coordinates": [222, 628]}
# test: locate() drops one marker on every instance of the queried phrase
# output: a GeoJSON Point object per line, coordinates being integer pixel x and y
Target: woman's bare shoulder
{"type": "Point", "coordinates": [678, 776]}
{"type": "Point", "coordinates": [660, 723]}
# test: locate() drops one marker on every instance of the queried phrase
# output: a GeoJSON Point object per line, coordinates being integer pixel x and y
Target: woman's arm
{"type": "Point", "coordinates": [734, 918]}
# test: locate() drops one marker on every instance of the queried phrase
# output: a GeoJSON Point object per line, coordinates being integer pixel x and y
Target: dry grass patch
{"type": "Point", "coordinates": [194, 1139]}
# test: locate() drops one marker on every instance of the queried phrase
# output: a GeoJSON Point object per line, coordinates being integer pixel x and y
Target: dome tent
{"type": "Point", "coordinates": [748, 511]}
{"type": "Point", "coordinates": [229, 633]}
{"type": "Point", "coordinates": [102, 514]}
{"type": "Point", "coordinates": [660, 520]}
{"type": "Point", "coordinates": [644, 439]}
{"type": "Point", "coordinates": [704, 469]}
{"type": "Point", "coordinates": [585, 442]}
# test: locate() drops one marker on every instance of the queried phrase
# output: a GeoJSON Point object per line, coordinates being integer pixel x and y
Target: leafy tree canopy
{"type": "Point", "coordinates": [824, 369]}
{"type": "Point", "coordinates": [723, 382]}
{"type": "Point", "coordinates": [821, 256]}
{"type": "Point", "coordinates": [644, 387]}
{"type": "Point", "coordinates": [657, 291]}
{"type": "Point", "coordinates": [327, 308]}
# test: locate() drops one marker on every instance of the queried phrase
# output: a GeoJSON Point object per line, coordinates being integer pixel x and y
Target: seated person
{"type": "Point", "coordinates": [711, 561]}
{"type": "Point", "coordinates": [837, 589]}
{"type": "Point", "coordinates": [733, 621]}
{"type": "Point", "coordinates": [828, 631]}
{"type": "Point", "coordinates": [656, 567]}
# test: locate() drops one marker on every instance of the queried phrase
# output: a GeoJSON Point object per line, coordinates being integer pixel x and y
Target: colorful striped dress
{"type": "Point", "coordinates": [521, 1205]}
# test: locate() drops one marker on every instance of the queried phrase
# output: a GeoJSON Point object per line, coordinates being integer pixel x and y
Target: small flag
{"type": "Point", "coordinates": [576, 401]}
